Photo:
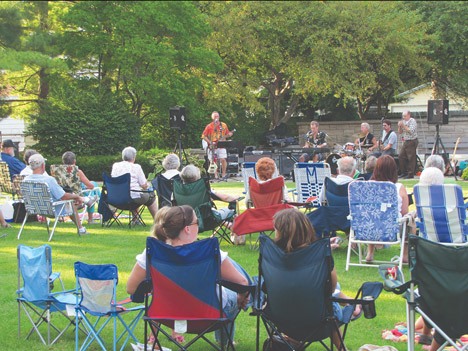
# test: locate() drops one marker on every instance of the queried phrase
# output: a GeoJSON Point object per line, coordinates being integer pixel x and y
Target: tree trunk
{"type": "Point", "coordinates": [437, 92]}
{"type": "Point", "coordinates": [44, 84]}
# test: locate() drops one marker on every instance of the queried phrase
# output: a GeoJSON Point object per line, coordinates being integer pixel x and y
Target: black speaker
{"type": "Point", "coordinates": [438, 112]}
{"type": "Point", "coordinates": [177, 117]}
{"type": "Point", "coordinates": [285, 165]}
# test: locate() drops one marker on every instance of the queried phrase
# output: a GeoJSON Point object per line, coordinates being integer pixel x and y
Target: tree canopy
{"type": "Point", "coordinates": [258, 63]}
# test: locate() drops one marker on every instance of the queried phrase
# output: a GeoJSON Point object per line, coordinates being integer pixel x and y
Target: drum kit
{"type": "Point", "coordinates": [348, 149]}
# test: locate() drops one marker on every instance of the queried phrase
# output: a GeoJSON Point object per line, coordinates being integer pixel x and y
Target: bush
{"type": "Point", "coordinates": [465, 174]}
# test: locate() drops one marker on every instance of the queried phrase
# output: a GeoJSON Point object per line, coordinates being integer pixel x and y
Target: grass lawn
{"type": "Point", "coordinates": [120, 245]}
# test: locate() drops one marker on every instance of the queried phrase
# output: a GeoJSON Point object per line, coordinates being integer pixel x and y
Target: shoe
{"type": "Point", "coordinates": [402, 175]}
{"type": "Point", "coordinates": [90, 201]}
{"type": "Point", "coordinates": [82, 231]}
{"type": "Point", "coordinates": [425, 339]}
{"type": "Point", "coordinates": [354, 317]}
{"type": "Point", "coordinates": [409, 177]}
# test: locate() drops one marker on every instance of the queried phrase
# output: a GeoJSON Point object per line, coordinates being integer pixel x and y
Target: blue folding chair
{"type": "Point", "coordinates": [35, 297]}
{"type": "Point", "coordinates": [98, 307]}
{"type": "Point", "coordinates": [375, 219]}
{"type": "Point", "coordinates": [187, 296]}
{"type": "Point", "coordinates": [116, 198]}
{"type": "Point", "coordinates": [441, 213]}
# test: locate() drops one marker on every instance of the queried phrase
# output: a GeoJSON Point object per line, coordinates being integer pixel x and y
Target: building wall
{"type": "Point", "coordinates": [12, 128]}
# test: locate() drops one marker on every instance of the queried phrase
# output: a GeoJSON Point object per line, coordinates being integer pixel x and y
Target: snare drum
{"type": "Point", "coordinates": [332, 161]}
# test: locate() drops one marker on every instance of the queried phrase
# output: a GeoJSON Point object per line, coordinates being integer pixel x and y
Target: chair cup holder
{"type": "Point", "coordinates": [368, 307]}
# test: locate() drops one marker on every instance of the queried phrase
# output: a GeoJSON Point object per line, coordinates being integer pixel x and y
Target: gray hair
{"type": "Point", "coordinates": [347, 166]}
{"type": "Point", "coordinates": [27, 154]}
{"type": "Point", "coordinates": [431, 175]}
{"type": "Point", "coordinates": [190, 174]}
{"type": "Point", "coordinates": [406, 113]}
{"type": "Point", "coordinates": [365, 124]}
{"type": "Point", "coordinates": [171, 161]}
{"type": "Point", "coordinates": [435, 161]}
{"type": "Point", "coordinates": [68, 158]}
{"type": "Point", "coordinates": [370, 164]}
{"type": "Point", "coordinates": [129, 154]}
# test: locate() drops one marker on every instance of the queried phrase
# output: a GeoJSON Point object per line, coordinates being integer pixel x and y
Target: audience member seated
{"type": "Point", "coordinates": [386, 170]}
{"type": "Point", "coordinates": [265, 169]}
{"type": "Point", "coordinates": [37, 164]}
{"type": "Point", "coordinates": [27, 170]}
{"type": "Point", "coordinates": [171, 164]}
{"type": "Point", "coordinates": [191, 173]}
{"type": "Point", "coordinates": [8, 155]}
{"type": "Point", "coordinates": [137, 179]}
{"type": "Point", "coordinates": [294, 231]}
{"type": "Point", "coordinates": [179, 226]}
{"type": "Point", "coordinates": [435, 161]}
{"type": "Point", "coordinates": [69, 159]}
{"type": "Point", "coordinates": [346, 173]}
{"type": "Point", "coordinates": [431, 175]}
{"type": "Point", "coordinates": [3, 222]}
{"type": "Point", "coordinates": [369, 166]}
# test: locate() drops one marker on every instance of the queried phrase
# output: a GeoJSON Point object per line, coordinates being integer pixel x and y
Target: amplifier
{"type": "Point", "coordinates": [254, 156]}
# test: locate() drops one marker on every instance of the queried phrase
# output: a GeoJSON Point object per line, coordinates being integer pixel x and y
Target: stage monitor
{"type": "Point", "coordinates": [177, 117]}
{"type": "Point", "coordinates": [438, 112]}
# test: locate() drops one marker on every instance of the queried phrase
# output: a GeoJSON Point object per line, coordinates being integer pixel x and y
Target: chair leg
{"type": "Point", "coordinates": [24, 222]}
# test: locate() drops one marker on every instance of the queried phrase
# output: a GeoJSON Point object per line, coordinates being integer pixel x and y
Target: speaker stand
{"type": "Point", "coordinates": [179, 148]}
{"type": "Point", "coordinates": [436, 150]}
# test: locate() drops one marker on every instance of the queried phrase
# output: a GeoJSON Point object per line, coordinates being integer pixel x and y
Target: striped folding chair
{"type": "Point", "coordinates": [309, 179]}
{"type": "Point", "coordinates": [441, 213]}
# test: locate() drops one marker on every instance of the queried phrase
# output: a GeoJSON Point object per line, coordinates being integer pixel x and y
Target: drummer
{"type": "Point", "coordinates": [367, 139]}
{"type": "Point", "coordinates": [314, 139]}
{"type": "Point", "coordinates": [348, 149]}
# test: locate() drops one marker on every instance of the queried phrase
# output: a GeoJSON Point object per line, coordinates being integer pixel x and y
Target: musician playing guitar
{"type": "Point", "coordinates": [388, 145]}
{"type": "Point", "coordinates": [314, 139]}
{"type": "Point", "coordinates": [214, 132]}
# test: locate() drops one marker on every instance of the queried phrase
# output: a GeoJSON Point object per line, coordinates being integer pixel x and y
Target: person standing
{"type": "Point", "coordinates": [314, 139]}
{"type": "Point", "coordinates": [389, 140]}
{"type": "Point", "coordinates": [214, 132]}
{"type": "Point", "coordinates": [407, 127]}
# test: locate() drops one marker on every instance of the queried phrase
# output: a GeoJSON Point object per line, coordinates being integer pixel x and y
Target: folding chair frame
{"type": "Point", "coordinates": [43, 309]}
{"type": "Point", "coordinates": [111, 314]}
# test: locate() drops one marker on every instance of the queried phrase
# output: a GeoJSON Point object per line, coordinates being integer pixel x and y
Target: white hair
{"type": "Point", "coordinates": [171, 161]}
{"type": "Point", "coordinates": [435, 161]}
{"type": "Point", "coordinates": [347, 166]}
{"type": "Point", "coordinates": [190, 174]}
{"type": "Point", "coordinates": [129, 154]}
{"type": "Point", "coordinates": [431, 175]}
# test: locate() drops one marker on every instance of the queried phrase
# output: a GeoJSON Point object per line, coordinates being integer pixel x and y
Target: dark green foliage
{"type": "Point", "coordinates": [84, 121]}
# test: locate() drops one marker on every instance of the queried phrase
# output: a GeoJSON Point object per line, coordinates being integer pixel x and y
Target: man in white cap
{"type": "Point", "coordinates": [8, 155]}
{"type": "Point", "coordinates": [37, 164]}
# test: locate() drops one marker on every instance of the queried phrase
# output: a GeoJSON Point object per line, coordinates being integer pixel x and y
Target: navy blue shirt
{"type": "Point", "coordinates": [15, 165]}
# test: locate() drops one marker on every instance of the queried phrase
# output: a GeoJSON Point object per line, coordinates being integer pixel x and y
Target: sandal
{"type": "Point", "coordinates": [354, 317]}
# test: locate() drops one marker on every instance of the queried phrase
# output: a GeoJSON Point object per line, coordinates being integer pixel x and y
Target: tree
{"type": "Point", "coordinates": [153, 53]}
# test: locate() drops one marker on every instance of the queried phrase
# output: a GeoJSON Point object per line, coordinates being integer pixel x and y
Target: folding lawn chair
{"type": "Point", "coordinates": [6, 185]}
{"type": "Point", "coordinates": [164, 189]}
{"type": "Point", "coordinates": [248, 170]}
{"type": "Point", "coordinates": [309, 179]}
{"type": "Point", "coordinates": [441, 213]}
{"type": "Point", "coordinates": [67, 177]}
{"type": "Point", "coordinates": [35, 297]}
{"type": "Point", "coordinates": [267, 199]}
{"type": "Point", "coordinates": [38, 201]}
{"type": "Point", "coordinates": [198, 196]}
{"type": "Point", "coordinates": [440, 273]}
{"type": "Point", "coordinates": [98, 307]}
{"type": "Point", "coordinates": [334, 212]}
{"type": "Point", "coordinates": [187, 294]}
{"type": "Point", "coordinates": [297, 307]}
{"type": "Point", "coordinates": [116, 199]}
{"type": "Point", "coordinates": [375, 219]}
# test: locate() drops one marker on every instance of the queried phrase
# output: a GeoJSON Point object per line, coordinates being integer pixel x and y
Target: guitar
{"type": "Point", "coordinates": [453, 163]}
{"type": "Point", "coordinates": [213, 167]}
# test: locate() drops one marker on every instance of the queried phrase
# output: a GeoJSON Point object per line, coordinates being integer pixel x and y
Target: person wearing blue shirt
{"type": "Point", "coordinates": [8, 155]}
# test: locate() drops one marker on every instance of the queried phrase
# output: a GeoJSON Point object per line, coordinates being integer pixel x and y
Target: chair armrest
{"type": "Point", "coordinates": [238, 288]}
{"type": "Point", "coordinates": [143, 289]}
{"type": "Point", "coordinates": [62, 202]}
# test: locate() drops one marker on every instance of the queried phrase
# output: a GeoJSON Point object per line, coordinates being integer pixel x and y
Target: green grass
{"type": "Point", "coordinates": [120, 245]}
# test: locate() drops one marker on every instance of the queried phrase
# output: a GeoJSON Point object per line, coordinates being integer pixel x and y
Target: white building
{"type": "Point", "coordinates": [415, 100]}
{"type": "Point", "coordinates": [13, 128]}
